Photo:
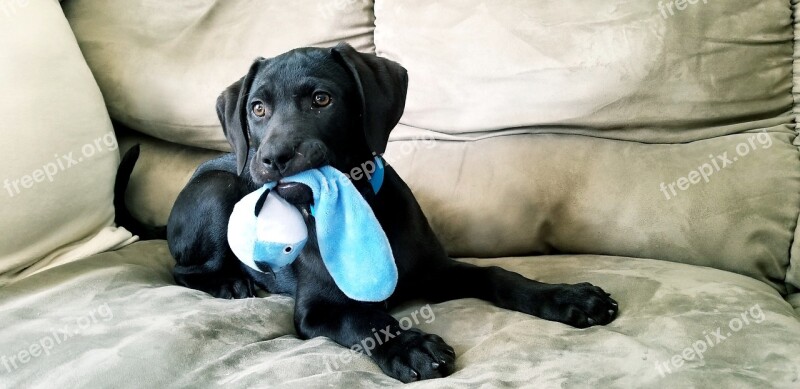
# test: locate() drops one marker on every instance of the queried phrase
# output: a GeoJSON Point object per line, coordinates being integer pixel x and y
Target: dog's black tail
{"type": "Point", "coordinates": [123, 215]}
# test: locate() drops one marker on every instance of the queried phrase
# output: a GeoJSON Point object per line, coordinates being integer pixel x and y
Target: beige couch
{"type": "Point", "coordinates": [649, 147]}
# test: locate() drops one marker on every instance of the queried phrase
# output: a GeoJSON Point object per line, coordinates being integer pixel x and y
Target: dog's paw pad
{"type": "Point", "coordinates": [232, 288]}
{"type": "Point", "coordinates": [418, 356]}
{"type": "Point", "coordinates": [580, 305]}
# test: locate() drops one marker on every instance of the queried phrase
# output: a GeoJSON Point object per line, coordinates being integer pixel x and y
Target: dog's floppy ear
{"type": "Point", "coordinates": [383, 85]}
{"type": "Point", "coordinates": [232, 114]}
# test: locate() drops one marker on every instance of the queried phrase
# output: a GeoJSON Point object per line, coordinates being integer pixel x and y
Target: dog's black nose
{"type": "Point", "coordinates": [276, 158]}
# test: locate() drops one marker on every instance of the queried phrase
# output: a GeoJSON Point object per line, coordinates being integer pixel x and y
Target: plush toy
{"type": "Point", "coordinates": [266, 232]}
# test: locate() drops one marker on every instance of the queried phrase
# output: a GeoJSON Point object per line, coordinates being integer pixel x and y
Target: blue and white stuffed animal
{"type": "Point", "coordinates": [266, 232]}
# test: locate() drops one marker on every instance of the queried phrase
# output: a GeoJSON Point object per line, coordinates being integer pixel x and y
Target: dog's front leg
{"type": "Point", "coordinates": [407, 355]}
{"type": "Point", "coordinates": [579, 305]}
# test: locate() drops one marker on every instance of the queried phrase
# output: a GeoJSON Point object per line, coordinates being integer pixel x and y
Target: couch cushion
{"type": "Point", "coordinates": [674, 84]}
{"type": "Point", "coordinates": [59, 151]}
{"type": "Point", "coordinates": [161, 172]}
{"type": "Point", "coordinates": [161, 65]}
{"type": "Point", "coordinates": [618, 69]}
{"type": "Point", "coordinates": [126, 318]}
{"type": "Point", "coordinates": [730, 202]}
{"type": "Point", "coordinates": [629, 75]}
{"type": "Point", "coordinates": [541, 194]}
{"type": "Point", "coordinates": [793, 275]}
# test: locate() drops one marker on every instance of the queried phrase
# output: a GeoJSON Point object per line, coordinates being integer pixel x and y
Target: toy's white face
{"type": "Point", "coordinates": [272, 239]}
{"type": "Point", "coordinates": [281, 233]}
{"type": "Point", "coordinates": [280, 222]}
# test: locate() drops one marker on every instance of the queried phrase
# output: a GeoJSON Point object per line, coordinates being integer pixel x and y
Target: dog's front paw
{"type": "Point", "coordinates": [223, 287]}
{"type": "Point", "coordinates": [414, 355]}
{"type": "Point", "coordinates": [580, 305]}
{"type": "Point", "coordinates": [232, 288]}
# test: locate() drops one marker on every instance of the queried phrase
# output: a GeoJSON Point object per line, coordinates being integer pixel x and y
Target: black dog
{"type": "Point", "coordinates": [311, 107]}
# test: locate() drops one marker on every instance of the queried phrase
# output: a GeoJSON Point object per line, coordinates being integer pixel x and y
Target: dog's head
{"type": "Point", "coordinates": [311, 107]}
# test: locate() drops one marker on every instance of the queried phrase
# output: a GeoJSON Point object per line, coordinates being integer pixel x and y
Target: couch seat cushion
{"type": "Point", "coordinates": [117, 319]}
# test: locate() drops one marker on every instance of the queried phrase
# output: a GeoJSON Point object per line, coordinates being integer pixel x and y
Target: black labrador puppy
{"type": "Point", "coordinates": [308, 108]}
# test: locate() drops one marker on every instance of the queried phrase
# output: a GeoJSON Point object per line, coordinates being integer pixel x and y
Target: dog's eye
{"type": "Point", "coordinates": [322, 99]}
{"type": "Point", "coordinates": [259, 109]}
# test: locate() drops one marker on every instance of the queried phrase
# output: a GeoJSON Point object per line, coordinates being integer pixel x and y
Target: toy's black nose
{"type": "Point", "coordinates": [263, 267]}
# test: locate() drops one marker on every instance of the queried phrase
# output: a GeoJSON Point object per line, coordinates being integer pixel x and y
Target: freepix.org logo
{"type": "Point", "coordinates": [711, 339]}
{"type": "Point", "coordinates": [716, 164]}
{"type": "Point", "coordinates": [59, 163]}
{"type": "Point", "coordinates": [57, 336]}
{"type": "Point", "coordinates": [669, 8]}
{"type": "Point", "coordinates": [329, 9]}
{"type": "Point", "coordinates": [380, 336]}
{"type": "Point", "coordinates": [9, 8]}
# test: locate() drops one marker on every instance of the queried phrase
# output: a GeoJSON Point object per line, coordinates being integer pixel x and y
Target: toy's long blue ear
{"type": "Point", "coordinates": [260, 202]}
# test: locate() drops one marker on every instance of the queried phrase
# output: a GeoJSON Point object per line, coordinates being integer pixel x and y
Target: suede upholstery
{"type": "Point", "coordinates": [612, 68]}
{"type": "Point", "coordinates": [59, 150]}
{"type": "Point", "coordinates": [648, 147]}
{"type": "Point", "coordinates": [132, 327]}
{"type": "Point", "coordinates": [146, 53]}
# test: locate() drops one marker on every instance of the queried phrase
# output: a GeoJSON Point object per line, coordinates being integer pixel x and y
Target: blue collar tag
{"type": "Point", "coordinates": [376, 180]}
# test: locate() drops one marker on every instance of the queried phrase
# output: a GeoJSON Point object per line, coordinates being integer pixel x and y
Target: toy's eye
{"type": "Point", "coordinates": [287, 249]}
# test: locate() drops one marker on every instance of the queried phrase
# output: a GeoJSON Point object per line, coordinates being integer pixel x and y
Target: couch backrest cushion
{"type": "Point", "coordinates": [638, 70]}
{"type": "Point", "coordinates": [59, 151]}
{"type": "Point", "coordinates": [641, 131]}
{"type": "Point", "coordinates": [668, 91]}
{"type": "Point", "coordinates": [162, 64]}
{"type": "Point", "coordinates": [525, 194]}
{"type": "Point", "coordinates": [793, 273]}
